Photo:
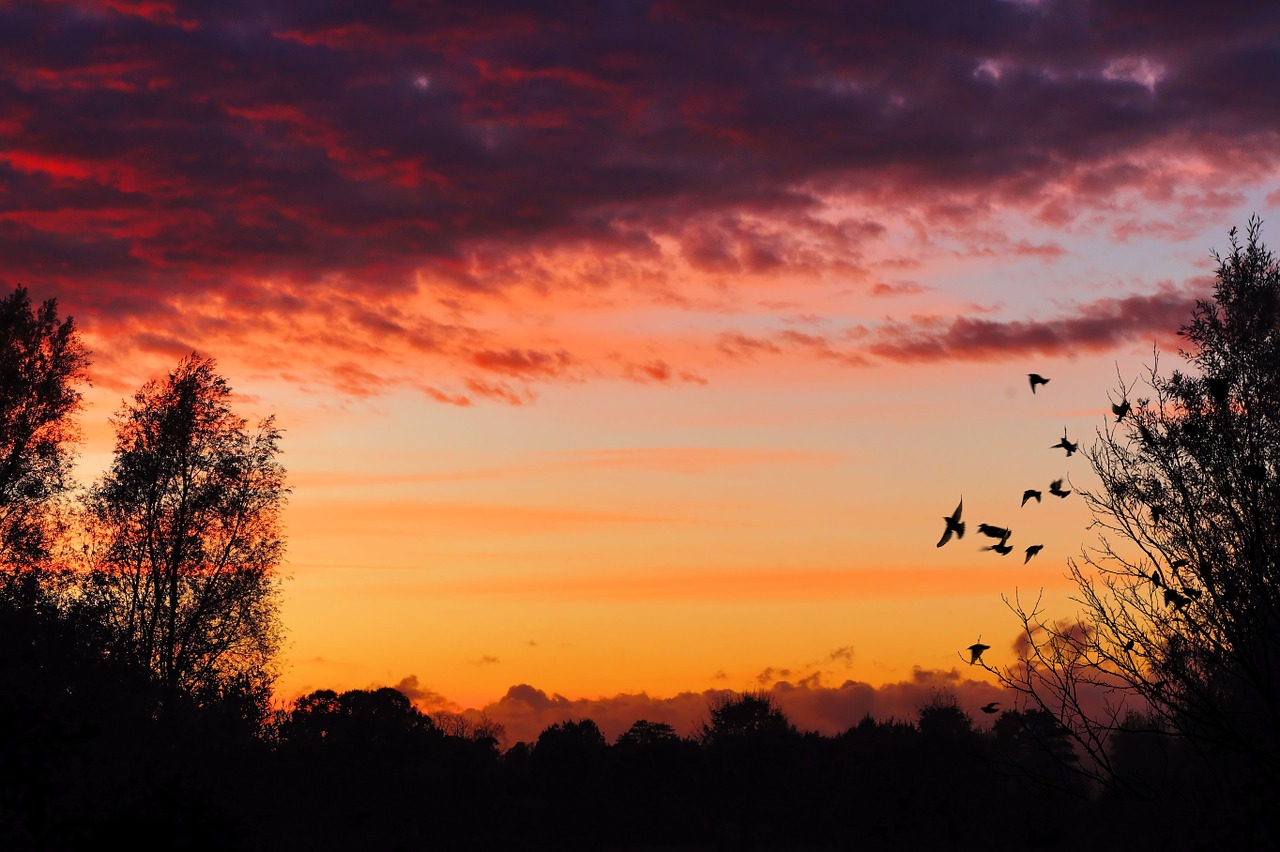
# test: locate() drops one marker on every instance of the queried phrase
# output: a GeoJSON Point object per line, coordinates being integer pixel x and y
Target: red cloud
{"type": "Point", "coordinates": [378, 149]}
{"type": "Point", "coordinates": [523, 362]}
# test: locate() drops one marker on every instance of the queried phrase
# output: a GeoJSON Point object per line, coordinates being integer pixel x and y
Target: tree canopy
{"type": "Point", "coordinates": [42, 360]}
{"type": "Point", "coordinates": [1179, 628]}
{"type": "Point", "coordinates": [186, 537]}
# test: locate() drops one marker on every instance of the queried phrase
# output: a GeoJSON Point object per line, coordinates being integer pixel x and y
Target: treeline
{"type": "Point", "coordinates": [87, 762]}
{"type": "Point", "coordinates": [138, 641]}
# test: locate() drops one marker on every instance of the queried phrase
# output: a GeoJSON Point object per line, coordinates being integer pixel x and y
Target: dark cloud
{"type": "Point", "coordinates": [1095, 326]}
{"type": "Point", "coordinates": [158, 152]}
{"type": "Point", "coordinates": [423, 696]}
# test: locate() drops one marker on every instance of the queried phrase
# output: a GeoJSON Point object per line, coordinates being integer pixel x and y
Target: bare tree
{"type": "Point", "coordinates": [1179, 629]}
{"type": "Point", "coordinates": [186, 539]}
{"type": "Point", "coordinates": [42, 359]}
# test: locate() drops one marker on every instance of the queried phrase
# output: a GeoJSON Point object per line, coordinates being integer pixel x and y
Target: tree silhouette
{"type": "Point", "coordinates": [357, 720]}
{"type": "Point", "coordinates": [185, 538]}
{"type": "Point", "coordinates": [942, 720]}
{"type": "Point", "coordinates": [571, 753]}
{"type": "Point", "coordinates": [745, 716]}
{"type": "Point", "coordinates": [1180, 599]}
{"type": "Point", "coordinates": [41, 361]}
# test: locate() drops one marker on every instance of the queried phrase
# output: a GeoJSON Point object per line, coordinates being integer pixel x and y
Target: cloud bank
{"type": "Point", "coordinates": [386, 184]}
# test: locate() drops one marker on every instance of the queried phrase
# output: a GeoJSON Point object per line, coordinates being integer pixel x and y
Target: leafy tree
{"type": "Point", "coordinates": [42, 359]}
{"type": "Point", "coordinates": [571, 751]}
{"type": "Point", "coordinates": [185, 538]}
{"type": "Point", "coordinates": [1180, 599]}
{"type": "Point", "coordinates": [358, 719]}
{"type": "Point", "coordinates": [750, 715]}
{"type": "Point", "coordinates": [644, 734]}
{"type": "Point", "coordinates": [943, 723]}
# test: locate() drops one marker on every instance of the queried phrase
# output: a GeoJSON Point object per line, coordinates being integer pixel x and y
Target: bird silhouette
{"type": "Point", "coordinates": [1178, 563]}
{"type": "Point", "coordinates": [1157, 512]}
{"type": "Point", "coordinates": [1144, 433]}
{"type": "Point", "coordinates": [994, 531]}
{"type": "Point", "coordinates": [1193, 594]}
{"type": "Point", "coordinates": [1055, 488]}
{"type": "Point", "coordinates": [990, 707]}
{"type": "Point", "coordinates": [1065, 444]}
{"type": "Point", "coordinates": [1128, 646]}
{"type": "Point", "coordinates": [1032, 551]}
{"type": "Point", "coordinates": [1157, 579]}
{"type": "Point", "coordinates": [1120, 410]}
{"type": "Point", "coordinates": [1028, 494]}
{"type": "Point", "coordinates": [1001, 548]}
{"type": "Point", "coordinates": [954, 525]}
{"type": "Point", "coordinates": [975, 651]}
{"type": "Point", "coordinates": [1036, 379]}
{"type": "Point", "coordinates": [1175, 600]}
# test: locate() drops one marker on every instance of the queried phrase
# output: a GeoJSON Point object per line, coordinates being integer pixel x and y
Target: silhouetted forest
{"type": "Point", "coordinates": [139, 632]}
{"type": "Point", "coordinates": [88, 762]}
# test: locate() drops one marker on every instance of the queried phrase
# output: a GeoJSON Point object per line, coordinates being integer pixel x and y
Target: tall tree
{"type": "Point", "coordinates": [186, 536]}
{"type": "Point", "coordinates": [42, 359]}
{"type": "Point", "coordinates": [1180, 600]}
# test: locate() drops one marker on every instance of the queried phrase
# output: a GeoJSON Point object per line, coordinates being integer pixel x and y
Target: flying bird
{"type": "Point", "coordinates": [1178, 563]}
{"type": "Point", "coordinates": [1032, 551]}
{"type": "Point", "coordinates": [1065, 444]}
{"type": "Point", "coordinates": [1028, 494]}
{"type": "Point", "coordinates": [954, 525]}
{"type": "Point", "coordinates": [1055, 488]}
{"type": "Point", "coordinates": [1193, 594]}
{"type": "Point", "coordinates": [1001, 548]}
{"type": "Point", "coordinates": [1175, 600]}
{"type": "Point", "coordinates": [1036, 379]}
{"type": "Point", "coordinates": [990, 708]}
{"type": "Point", "coordinates": [1120, 410]}
{"type": "Point", "coordinates": [994, 531]}
{"type": "Point", "coordinates": [975, 651]}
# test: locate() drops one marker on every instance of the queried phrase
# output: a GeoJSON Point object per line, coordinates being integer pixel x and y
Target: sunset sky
{"type": "Point", "coordinates": [629, 350]}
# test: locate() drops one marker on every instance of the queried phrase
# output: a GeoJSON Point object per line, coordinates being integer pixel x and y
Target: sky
{"type": "Point", "coordinates": [627, 351]}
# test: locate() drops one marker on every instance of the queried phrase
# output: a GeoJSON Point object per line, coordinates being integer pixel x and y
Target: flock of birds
{"type": "Point", "coordinates": [955, 526]}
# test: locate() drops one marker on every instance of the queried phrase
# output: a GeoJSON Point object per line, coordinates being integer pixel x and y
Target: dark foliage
{"type": "Point", "coordinates": [1180, 619]}
{"type": "Point", "coordinates": [42, 360]}
{"type": "Point", "coordinates": [183, 539]}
